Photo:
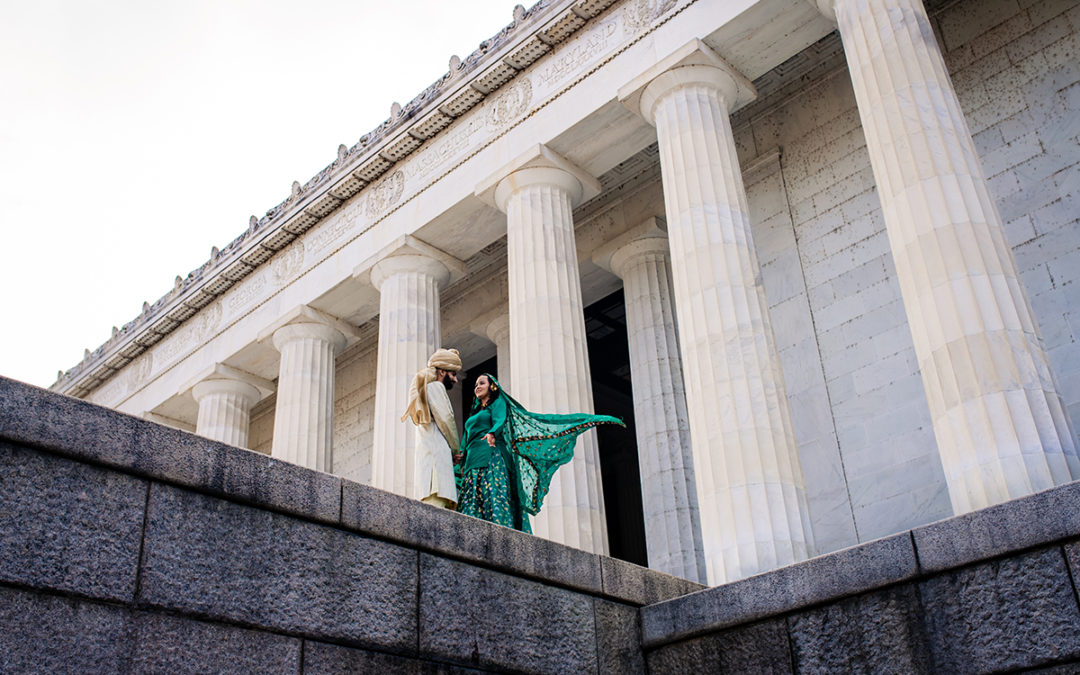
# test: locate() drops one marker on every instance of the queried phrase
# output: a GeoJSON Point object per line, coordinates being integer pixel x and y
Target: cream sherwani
{"type": "Point", "coordinates": [434, 444]}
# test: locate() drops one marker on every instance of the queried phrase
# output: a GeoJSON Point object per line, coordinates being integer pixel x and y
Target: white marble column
{"type": "Point", "coordinates": [669, 495]}
{"type": "Point", "coordinates": [304, 414]}
{"type": "Point", "coordinates": [225, 410]}
{"type": "Point", "coordinates": [751, 493]}
{"type": "Point", "coordinates": [409, 333]}
{"type": "Point", "coordinates": [549, 361]}
{"type": "Point", "coordinates": [999, 422]}
{"type": "Point", "coordinates": [495, 326]}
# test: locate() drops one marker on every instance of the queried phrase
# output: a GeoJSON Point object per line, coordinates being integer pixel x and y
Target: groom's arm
{"type": "Point", "coordinates": [442, 413]}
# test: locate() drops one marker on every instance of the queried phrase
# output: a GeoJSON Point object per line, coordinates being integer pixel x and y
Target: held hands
{"type": "Point", "coordinates": [458, 457]}
{"type": "Point", "coordinates": [490, 438]}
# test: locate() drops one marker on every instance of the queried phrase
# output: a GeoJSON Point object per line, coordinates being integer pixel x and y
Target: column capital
{"type": "Point", "coordinates": [409, 254]}
{"type": "Point", "coordinates": [693, 63]}
{"type": "Point", "coordinates": [539, 165]}
{"type": "Point", "coordinates": [648, 237]}
{"type": "Point", "coordinates": [305, 331]}
{"type": "Point", "coordinates": [826, 7]}
{"type": "Point", "coordinates": [304, 321]}
{"type": "Point", "coordinates": [492, 324]}
{"type": "Point", "coordinates": [246, 391]}
{"type": "Point", "coordinates": [221, 372]}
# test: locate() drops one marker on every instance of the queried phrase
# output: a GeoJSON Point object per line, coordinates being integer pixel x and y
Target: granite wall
{"type": "Point", "coordinates": [989, 592]}
{"type": "Point", "coordinates": [129, 546]}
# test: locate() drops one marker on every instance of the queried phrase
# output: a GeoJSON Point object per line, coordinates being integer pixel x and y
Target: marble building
{"type": "Point", "coordinates": [821, 255]}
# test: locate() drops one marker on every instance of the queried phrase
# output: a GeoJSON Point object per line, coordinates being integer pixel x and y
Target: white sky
{"type": "Point", "coordinates": [136, 134]}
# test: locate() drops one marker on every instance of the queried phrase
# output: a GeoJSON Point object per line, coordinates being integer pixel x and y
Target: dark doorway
{"type": "Point", "coordinates": [609, 360]}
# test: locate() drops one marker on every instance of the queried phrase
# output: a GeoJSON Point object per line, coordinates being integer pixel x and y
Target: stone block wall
{"type": "Point", "coordinates": [991, 591]}
{"type": "Point", "coordinates": [354, 412]}
{"type": "Point", "coordinates": [129, 546]}
{"type": "Point", "coordinates": [1016, 68]}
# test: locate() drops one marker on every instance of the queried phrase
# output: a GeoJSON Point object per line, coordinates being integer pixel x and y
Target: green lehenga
{"type": "Point", "coordinates": [506, 483]}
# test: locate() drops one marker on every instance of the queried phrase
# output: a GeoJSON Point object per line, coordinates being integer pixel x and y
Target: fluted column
{"type": "Point", "coordinates": [304, 416]}
{"type": "Point", "coordinates": [669, 495]}
{"type": "Point", "coordinates": [225, 410]}
{"type": "Point", "coordinates": [495, 326]}
{"type": "Point", "coordinates": [751, 494]}
{"type": "Point", "coordinates": [549, 361]}
{"type": "Point", "coordinates": [1001, 428]}
{"type": "Point", "coordinates": [409, 332]}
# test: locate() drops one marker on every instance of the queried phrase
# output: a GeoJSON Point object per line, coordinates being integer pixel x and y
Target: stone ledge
{"type": "Point", "coordinates": [1044, 518]}
{"type": "Point", "coordinates": [368, 510]}
{"type": "Point", "coordinates": [847, 572]}
{"type": "Point", "coordinates": [1038, 519]}
{"type": "Point", "coordinates": [82, 431]}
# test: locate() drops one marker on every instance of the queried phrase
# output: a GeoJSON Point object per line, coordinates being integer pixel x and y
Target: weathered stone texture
{"type": "Point", "coordinates": [326, 659]}
{"type": "Point", "coordinates": [640, 585]}
{"type": "Point", "coordinates": [354, 410]}
{"type": "Point", "coordinates": [1072, 556]}
{"type": "Point", "coordinates": [85, 431]}
{"type": "Point", "coordinates": [438, 530]}
{"type": "Point", "coordinates": [757, 648]}
{"type": "Point", "coordinates": [478, 617]}
{"type": "Point", "coordinates": [1014, 69]}
{"type": "Point", "coordinates": [1012, 613]}
{"type": "Point", "coordinates": [618, 638]}
{"type": "Point", "coordinates": [48, 634]}
{"type": "Point", "coordinates": [847, 572]}
{"type": "Point", "coordinates": [186, 459]}
{"type": "Point", "coordinates": [321, 658]}
{"type": "Point", "coordinates": [1022, 523]}
{"type": "Point", "coordinates": [165, 644]}
{"type": "Point", "coordinates": [68, 526]}
{"type": "Point", "coordinates": [873, 633]}
{"type": "Point", "coordinates": [66, 425]}
{"type": "Point", "coordinates": [223, 560]}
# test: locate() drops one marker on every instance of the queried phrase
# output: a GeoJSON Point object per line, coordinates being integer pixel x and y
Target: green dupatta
{"type": "Point", "coordinates": [539, 444]}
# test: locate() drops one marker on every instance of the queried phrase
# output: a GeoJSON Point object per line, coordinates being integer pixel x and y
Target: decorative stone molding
{"type": "Point", "coordinates": [468, 82]}
{"type": "Point", "coordinates": [537, 165]}
{"type": "Point", "coordinates": [415, 252]}
{"type": "Point", "coordinates": [693, 63]}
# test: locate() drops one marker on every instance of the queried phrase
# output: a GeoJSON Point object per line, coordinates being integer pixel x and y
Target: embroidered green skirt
{"type": "Point", "coordinates": [486, 493]}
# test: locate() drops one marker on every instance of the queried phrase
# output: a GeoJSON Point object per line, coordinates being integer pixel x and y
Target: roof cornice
{"type": "Point", "coordinates": [531, 35]}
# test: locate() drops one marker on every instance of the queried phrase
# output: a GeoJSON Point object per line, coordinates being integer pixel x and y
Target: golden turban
{"type": "Point", "coordinates": [443, 359]}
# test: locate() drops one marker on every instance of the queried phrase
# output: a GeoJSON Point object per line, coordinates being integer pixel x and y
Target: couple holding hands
{"type": "Point", "coordinates": [501, 469]}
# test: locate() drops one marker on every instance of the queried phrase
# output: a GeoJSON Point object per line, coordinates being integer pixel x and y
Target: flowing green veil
{"type": "Point", "coordinates": [539, 444]}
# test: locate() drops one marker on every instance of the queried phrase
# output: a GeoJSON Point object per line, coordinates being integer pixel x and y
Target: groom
{"type": "Point", "coordinates": [436, 432]}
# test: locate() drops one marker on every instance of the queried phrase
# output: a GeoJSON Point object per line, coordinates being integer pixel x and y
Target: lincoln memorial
{"type": "Point", "coordinates": [823, 257]}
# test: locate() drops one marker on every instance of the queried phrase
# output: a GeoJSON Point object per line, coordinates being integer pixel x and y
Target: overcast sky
{"type": "Point", "coordinates": [137, 134]}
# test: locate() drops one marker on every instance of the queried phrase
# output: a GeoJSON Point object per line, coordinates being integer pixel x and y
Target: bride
{"type": "Point", "coordinates": [511, 455]}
